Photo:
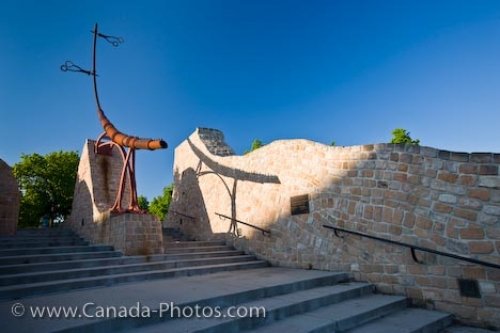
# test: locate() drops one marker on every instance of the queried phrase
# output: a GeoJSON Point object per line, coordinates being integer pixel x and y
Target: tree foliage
{"type": "Point", "coordinates": [143, 203]}
{"type": "Point", "coordinates": [400, 135]}
{"type": "Point", "coordinates": [256, 144]}
{"type": "Point", "coordinates": [47, 184]}
{"type": "Point", "coordinates": [159, 205]}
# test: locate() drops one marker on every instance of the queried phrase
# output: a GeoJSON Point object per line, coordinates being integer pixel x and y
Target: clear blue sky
{"type": "Point", "coordinates": [349, 71]}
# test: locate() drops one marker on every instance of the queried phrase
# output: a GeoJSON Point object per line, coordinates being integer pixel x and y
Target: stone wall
{"type": "Point", "coordinates": [95, 191]}
{"type": "Point", "coordinates": [437, 199]}
{"type": "Point", "coordinates": [9, 200]}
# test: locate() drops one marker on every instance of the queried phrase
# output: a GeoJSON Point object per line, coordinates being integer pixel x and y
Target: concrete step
{"type": "Point", "coordinates": [35, 258]}
{"type": "Point", "coordinates": [181, 250]}
{"type": "Point", "coordinates": [192, 244]}
{"type": "Point", "coordinates": [19, 239]}
{"type": "Point", "coordinates": [276, 308]}
{"type": "Point", "coordinates": [338, 317]}
{"type": "Point", "coordinates": [42, 243]}
{"type": "Point", "coordinates": [465, 329]}
{"type": "Point", "coordinates": [408, 321]}
{"type": "Point", "coordinates": [65, 273]}
{"type": "Point", "coordinates": [46, 232]}
{"type": "Point", "coordinates": [25, 290]}
{"type": "Point", "coordinates": [54, 250]}
{"type": "Point", "coordinates": [100, 262]}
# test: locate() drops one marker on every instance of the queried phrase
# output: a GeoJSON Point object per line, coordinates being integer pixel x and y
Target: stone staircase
{"type": "Point", "coordinates": [56, 267]}
{"type": "Point", "coordinates": [41, 261]}
{"type": "Point", "coordinates": [330, 303]}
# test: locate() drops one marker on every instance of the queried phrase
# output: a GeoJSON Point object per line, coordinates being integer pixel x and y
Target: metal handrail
{"type": "Point", "coordinates": [184, 215]}
{"type": "Point", "coordinates": [264, 231]}
{"type": "Point", "coordinates": [412, 247]}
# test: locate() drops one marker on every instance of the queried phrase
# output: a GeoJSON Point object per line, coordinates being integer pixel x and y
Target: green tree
{"type": "Point", "coordinates": [256, 144]}
{"type": "Point", "coordinates": [47, 184]}
{"type": "Point", "coordinates": [333, 144]}
{"type": "Point", "coordinates": [143, 203]}
{"type": "Point", "coordinates": [159, 205]}
{"type": "Point", "coordinates": [400, 135]}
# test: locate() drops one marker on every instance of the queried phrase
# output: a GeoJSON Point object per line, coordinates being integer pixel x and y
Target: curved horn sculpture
{"type": "Point", "coordinates": [120, 140]}
{"type": "Point", "coordinates": [111, 131]}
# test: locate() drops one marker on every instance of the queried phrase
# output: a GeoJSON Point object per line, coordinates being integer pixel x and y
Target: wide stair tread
{"type": "Point", "coordinates": [55, 250]}
{"type": "Point", "coordinates": [197, 249]}
{"type": "Point", "coordinates": [338, 317]}
{"type": "Point", "coordinates": [119, 260]}
{"type": "Point", "coordinates": [56, 257]}
{"type": "Point", "coordinates": [32, 277]}
{"type": "Point", "coordinates": [21, 239]}
{"type": "Point", "coordinates": [282, 308]}
{"type": "Point", "coordinates": [411, 320]}
{"type": "Point", "coordinates": [24, 290]}
{"type": "Point", "coordinates": [192, 244]}
{"type": "Point", "coordinates": [38, 244]}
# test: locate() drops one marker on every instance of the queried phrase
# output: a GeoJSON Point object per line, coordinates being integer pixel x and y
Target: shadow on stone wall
{"type": "Point", "coordinates": [188, 192]}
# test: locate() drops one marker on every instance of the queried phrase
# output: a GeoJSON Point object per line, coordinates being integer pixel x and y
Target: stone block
{"type": "Point", "coordinates": [448, 198]}
{"type": "Point", "coordinates": [447, 177]}
{"type": "Point", "coordinates": [472, 232]}
{"type": "Point", "coordinates": [423, 223]}
{"type": "Point", "coordinates": [481, 247]}
{"type": "Point", "coordinates": [489, 182]}
{"type": "Point", "coordinates": [465, 214]}
{"type": "Point", "coordinates": [460, 157]}
{"type": "Point", "coordinates": [481, 194]}
{"type": "Point", "coordinates": [444, 154]}
{"type": "Point", "coordinates": [442, 208]}
{"type": "Point", "coordinates": [488, 170]}
{"type": "Point", "coordinates": [492, 210]}
{"type": "Point", "coordinates": [467, 180]}
{"type": "Point", "coordinates": [468, 168]}
{"type": "Point", "coordinates": [481, 157]}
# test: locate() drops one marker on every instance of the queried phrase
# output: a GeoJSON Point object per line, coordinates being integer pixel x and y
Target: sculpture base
{"type": "Point", "coordinates": [133, 234]}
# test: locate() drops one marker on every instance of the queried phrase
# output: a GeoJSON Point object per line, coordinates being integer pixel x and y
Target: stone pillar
{"type": "Point", "coordinates": [133, 234]}
{"type": "Point", "coordinates": [95, 192]}
{"type": "Point", "coordinates": [10, 198]}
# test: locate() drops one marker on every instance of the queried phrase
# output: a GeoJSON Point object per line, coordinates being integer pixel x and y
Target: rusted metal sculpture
{"type": "Point", "coordinates": [112, 137]}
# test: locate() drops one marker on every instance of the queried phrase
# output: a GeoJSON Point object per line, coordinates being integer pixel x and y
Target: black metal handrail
{"type": "Point", "coordinates": [264, 231]}
{"type": "Point", "coordinates": [412, 247]}
{"type": "Point", "coordinates": [184, 215]}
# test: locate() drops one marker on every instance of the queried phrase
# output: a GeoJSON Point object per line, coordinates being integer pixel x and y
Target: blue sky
{"type": "Point", "coordinates": [348, 71]}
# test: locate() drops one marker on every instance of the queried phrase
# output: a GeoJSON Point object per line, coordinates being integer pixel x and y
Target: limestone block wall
{"type": "Point", "coordinates": [433, 198]}
{"type": "Point", "coordinates": [95, 191]}
{"type": "Point", "coordinates": [10, 198]}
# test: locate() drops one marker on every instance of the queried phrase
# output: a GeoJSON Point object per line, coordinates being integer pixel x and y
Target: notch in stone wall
{"type": "Point", "coordinates": [469, 288]}
{"type": "Point", "coordinates": [299, 204]}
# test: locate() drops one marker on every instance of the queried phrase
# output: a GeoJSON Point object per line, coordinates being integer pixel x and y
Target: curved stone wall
{"type": "Point", "coordinates": [438, 199]}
